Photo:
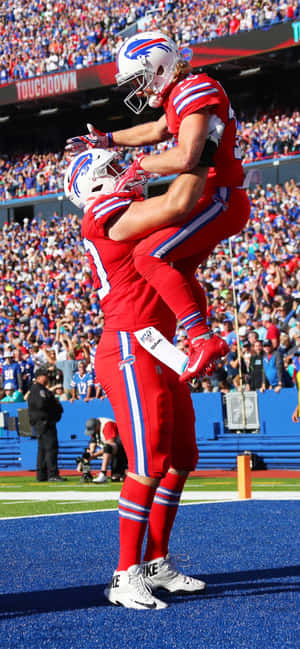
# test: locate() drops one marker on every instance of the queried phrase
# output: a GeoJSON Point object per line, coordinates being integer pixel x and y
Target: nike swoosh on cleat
{"type": "Point", "coordinates": [194, 367]}
{"type": "Point", "coordinates": [154, 605]}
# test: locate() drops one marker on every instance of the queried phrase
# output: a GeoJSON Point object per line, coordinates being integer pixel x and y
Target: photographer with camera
{"type": "Point", "coordinates": [105, 442]}
{"type": "Point", "coordinates": [84, 466]}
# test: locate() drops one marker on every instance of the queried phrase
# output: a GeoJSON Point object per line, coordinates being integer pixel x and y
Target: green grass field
{"type": "Point", "coordinates": [23, 496]}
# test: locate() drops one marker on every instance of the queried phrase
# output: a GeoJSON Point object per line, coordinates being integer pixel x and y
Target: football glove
{"type": "Point", "coordinates": [91, 140]}
{"type": "Point", "coordinates": [134, 175]}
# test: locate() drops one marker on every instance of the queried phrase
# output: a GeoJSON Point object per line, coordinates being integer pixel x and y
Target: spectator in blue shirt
{"type": "Point", "coordinates": [26, 366]}
{"type": "Point", "coordinates": [11, 371]}
{"type": "Point", "coordinates": [82, 384]}
{"type": "Point", "coordinates": [273, 368]}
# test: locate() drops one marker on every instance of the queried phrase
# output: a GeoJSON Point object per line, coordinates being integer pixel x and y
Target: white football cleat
{"type": "Point", "coordinates": [101, 478]}
{"type": "Point", "coordinates": [127, 588]}
{"type": "Point", "coordinates": [161, 573]}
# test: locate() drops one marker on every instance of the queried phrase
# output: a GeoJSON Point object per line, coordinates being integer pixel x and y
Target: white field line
{"type": "Point", "coordinates": [98, 496]}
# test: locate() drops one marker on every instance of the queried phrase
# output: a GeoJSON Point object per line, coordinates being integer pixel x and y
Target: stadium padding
{"type": "Point", "coordinates": [278, 441]}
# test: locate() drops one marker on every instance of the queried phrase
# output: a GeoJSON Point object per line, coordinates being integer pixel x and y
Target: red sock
{"type": "Point", "coordinates": [200, 297]}
{"type": "Point", "coordinates": [175, 291]}
{"type": "Point", "coordinates": [134, 508]}
{"type": "Point", "coordinates": [162, 516]}
{"type": "Point", "coordinates": [188, 269]}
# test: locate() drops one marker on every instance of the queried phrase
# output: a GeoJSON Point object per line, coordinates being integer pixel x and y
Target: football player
{"type": "Point", "coordinates": [151, 406]}
{"type": "Point", "coordinates": [197, 112]}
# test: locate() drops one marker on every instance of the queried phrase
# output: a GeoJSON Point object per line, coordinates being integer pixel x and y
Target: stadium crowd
{"type": "Point", "coordinates": [39, 37]}
{"type": "Point", "coordinates": [29, 175]}
{"type": "Point", "coordinates": [50, 314]}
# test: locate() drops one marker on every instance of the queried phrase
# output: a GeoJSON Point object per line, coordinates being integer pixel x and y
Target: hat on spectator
{"type": "Point", "coordinates": [41, 371]}
{"type": "Point", "coordinates": [90, 426]}
{"type": "Point", "coordinates": [267, 343]}
{"type": "Point", "coordinates": [9, 386]}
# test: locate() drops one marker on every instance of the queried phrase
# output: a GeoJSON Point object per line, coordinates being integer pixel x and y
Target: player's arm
{"type": "Point", "coordinates": [171, 208]}
{"type": "Point", "coordinates": [186, 155]}
{"type": "Point", "coordinates": [148, 133]}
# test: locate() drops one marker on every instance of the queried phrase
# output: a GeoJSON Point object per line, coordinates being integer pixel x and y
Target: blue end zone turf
{"type": "Point", "coordinates": [53, 570]}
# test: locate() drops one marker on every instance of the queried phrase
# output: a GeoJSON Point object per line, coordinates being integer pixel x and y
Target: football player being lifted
{"type": "Point", "coordinates": [198, 114]}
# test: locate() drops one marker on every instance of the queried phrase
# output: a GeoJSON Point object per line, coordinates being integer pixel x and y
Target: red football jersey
{"type": "Point", "coordinates": [200, 91]}
{"type": "Point", "coordinates": [128, 302]}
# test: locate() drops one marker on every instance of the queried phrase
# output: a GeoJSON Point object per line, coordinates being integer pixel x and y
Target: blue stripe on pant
{"type": "Point", "coordinates": [134, 404]}
{"type": "Point", "coordinates": [194, 225]}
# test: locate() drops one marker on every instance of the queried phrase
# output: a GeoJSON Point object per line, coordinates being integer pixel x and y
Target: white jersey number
{"type": "Point", "coordinates": [99, 268]}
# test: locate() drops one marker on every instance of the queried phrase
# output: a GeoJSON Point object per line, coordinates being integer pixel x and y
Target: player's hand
{"type": "Point", "coordinates": [134, 176]}
{"type": "Point", "coordinates": [91, 140]}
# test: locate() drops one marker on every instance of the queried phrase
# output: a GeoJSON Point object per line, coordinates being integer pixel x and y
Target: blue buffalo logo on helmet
{"type": "Point", "coordinates": [143, 47]}
{"type": "Point", "coordinates": [81, 168]}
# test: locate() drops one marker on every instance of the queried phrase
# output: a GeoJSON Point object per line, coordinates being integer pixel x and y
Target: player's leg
{"type": "Point", "coordinates": [156, 258]}
{"type": "Point", "coordinates": [207, 349]}
{"type": "Point", "coordinates": [110, 448]}
{"type": "Point", "coordinates": [170, 283]}
{"type": "Point", "coordinates": [187, 267]}
{"type": "Point", "coordinates": [209, 224]}
{"type": "Point", "coordinates": [134, 382]}
{"type": "Point", "coordinates": [118, 463]}
{"type": "Point", "coordinates": [159, 570]}
{"type": "Point", "coordinates": [41, 466]}
{"type": "Point", "coordinates": [51, 451]}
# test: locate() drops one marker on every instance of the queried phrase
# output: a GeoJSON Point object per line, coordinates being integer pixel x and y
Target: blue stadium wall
{"type": "Point", "coordinates": [277, 442]}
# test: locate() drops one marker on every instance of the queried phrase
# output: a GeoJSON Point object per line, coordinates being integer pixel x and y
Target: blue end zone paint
{"type": "Point", "coordinates": [52, 573]}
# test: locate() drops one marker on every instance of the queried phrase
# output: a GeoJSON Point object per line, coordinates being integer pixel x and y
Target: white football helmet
{"type": "Point", "coordinates": [147, 60]}
{"type": "Point", "coordinates": [90, 171]}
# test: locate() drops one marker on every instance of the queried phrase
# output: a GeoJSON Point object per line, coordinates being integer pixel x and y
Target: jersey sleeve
{"type": "Point", "coordinates": [195, 95]}
{"type": "Point", "coordinates": [104, 209]}
{"type": "Point", "coordinates": [107, 209]}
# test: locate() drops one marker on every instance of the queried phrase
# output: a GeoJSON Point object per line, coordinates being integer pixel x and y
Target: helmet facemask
{"type": "Point", "coordinates": [147, 61]}
{"type": "Point", "coordinates": [138, 82]}
{"type": "Point", "coordinates": [104, 178]}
